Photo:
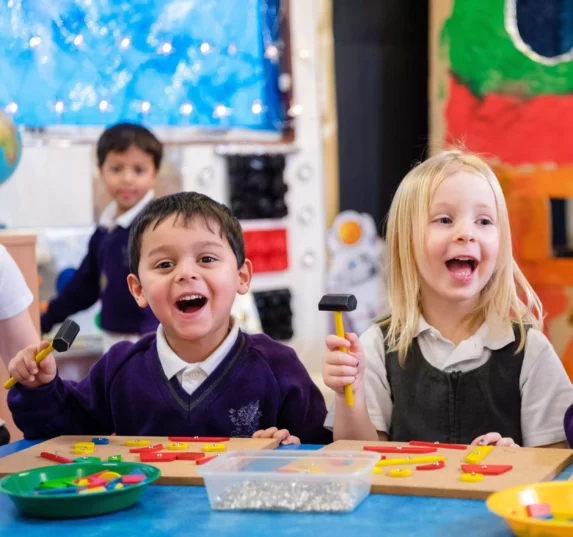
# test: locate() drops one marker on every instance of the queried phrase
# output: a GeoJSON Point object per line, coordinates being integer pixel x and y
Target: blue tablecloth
{"type": "Point", "coordinates": [184, 511]}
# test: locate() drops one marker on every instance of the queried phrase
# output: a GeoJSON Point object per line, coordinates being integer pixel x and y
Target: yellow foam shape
{"type": "Point", "coordinates": [83, 482]}
{"type": "Point", "coordinates": [213, 448]}
{"type": "Point", "coordinates": [400, 472]}
{"type": "Point", "coordinates": [118, 486]}
{"type": "Point", "coordinates": [378, 470]}
{"type": "Point", "coordinates": [177, 446]}
{"type": "Point", "coordinates": [83, 451]}
{"type": "Point", "coordinates": [562, 515]}
{"type": "Point", "coordinates": [410, 460]}
{"type": "Point", "coordinates": [84, 445]}
{"type": "Point", "coordinates": [471, 478]}
{"type": "Point", "coordinates": [137, 443]}
{"type": "Point", "coordinates": [108, 476]}
{"type": "Point", "coordinates": [478, 454]}
{"type": "Point", "coordinates": [95, 489]}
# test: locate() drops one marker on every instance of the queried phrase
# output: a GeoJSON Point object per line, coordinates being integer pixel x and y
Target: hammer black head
{"type": "Point", "coordinates": [337, 303]}
{"type": "Point", "coordinates": [65, 335]}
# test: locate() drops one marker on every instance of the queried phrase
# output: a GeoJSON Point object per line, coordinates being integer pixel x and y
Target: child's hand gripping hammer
{"type": "Point", "coordinates": [338, 304]}
{"type": "Point", "coordinates": [62, 342]}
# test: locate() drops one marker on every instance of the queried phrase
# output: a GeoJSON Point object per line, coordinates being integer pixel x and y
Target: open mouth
{"type": "Point", "coordinates": [462, 267]}
{"type": "Point", "coordinates": [127, 193]}
{"type": "Point", "coordinates": [190, 303]}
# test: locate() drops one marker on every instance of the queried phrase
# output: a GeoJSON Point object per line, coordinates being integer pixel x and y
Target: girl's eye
{"type": "Point", "coordinates": [164, 265]}
{"type": "Point", "coordinates": [484, 222]}
{"type": "Point", "coordinates": [207, 259]}
{"type": "Point", "coordinates": [444, 220]}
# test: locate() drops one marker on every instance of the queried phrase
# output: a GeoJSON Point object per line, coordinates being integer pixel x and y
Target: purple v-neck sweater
{"type": "Point", "coordinates": [259, 384]}
{"type": "Point", "coordinates": [103, 275]}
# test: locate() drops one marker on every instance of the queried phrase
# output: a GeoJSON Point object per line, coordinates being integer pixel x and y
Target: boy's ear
{"type": "Point", "coordinates": [136, 290]}
{"type": "Point", "coordinates": [245, 276]}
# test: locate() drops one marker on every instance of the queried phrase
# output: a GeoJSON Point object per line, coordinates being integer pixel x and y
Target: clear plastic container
{"type": "Point", "coordinates": [289, 480]}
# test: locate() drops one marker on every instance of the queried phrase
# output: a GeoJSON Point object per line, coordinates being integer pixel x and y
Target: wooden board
{"type": "Point", "coordinates": [172, 473]}
{"type": "Point", "coordinates": [530, 465]}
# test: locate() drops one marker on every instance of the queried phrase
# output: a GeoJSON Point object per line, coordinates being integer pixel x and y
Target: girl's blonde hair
{"type": "Point", "coordinates": [507, 294]}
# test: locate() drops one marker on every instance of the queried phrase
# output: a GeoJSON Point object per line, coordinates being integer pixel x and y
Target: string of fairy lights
{"type": "Point", "coordinates": [272, 53]}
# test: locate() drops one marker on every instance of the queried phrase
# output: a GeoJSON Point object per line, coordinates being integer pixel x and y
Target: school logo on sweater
{"type": "Point", "coordinates": [245, 420]}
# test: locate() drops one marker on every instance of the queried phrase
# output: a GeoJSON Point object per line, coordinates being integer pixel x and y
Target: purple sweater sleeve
{"type": "Point", "coordinates": [81, 292]}
{"type": "Point", "coordinates": [303, 409]}
{"type": "Point", "coordinates": [65, 407]}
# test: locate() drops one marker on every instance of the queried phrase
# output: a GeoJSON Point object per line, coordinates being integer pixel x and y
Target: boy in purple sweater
{"type": "Point", "coordinates": [129, 157]}
{"type": "Point", "coordinates": [198, 374]}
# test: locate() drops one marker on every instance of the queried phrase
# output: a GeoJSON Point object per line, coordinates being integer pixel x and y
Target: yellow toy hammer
{"type": "Point", "coordinates": [62, 342]}
{"type": "Point", "coordinates": [337, 304]}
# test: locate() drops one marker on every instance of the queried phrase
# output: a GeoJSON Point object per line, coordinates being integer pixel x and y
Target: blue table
{"type": "Point", "coordinates": [184, 511]}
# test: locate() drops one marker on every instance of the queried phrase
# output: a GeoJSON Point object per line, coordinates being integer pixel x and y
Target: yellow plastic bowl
{"type": "Point", "coordinates": [510, 504]}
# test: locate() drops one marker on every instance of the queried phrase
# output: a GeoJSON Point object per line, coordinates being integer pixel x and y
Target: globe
{"type": "Point", "coordinates": [10, 147]}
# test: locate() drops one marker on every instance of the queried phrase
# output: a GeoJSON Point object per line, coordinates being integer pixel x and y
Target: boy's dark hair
{"type": "Point", "coordinates": [188, 206]}
{"type": "Point", "coordinates": [122, 136]}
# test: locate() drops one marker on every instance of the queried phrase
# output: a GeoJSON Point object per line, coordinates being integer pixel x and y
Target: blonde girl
{"type": "Point", "coordinates": [462, 358]}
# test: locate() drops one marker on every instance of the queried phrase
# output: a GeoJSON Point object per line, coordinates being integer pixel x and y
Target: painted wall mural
{"type": "Point", "coordinates": [168, 63]}
{"type": "Point", "coordinates": [502, 85]}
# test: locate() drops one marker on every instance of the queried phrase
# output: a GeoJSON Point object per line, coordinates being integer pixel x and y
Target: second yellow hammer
{"type": "Point", "coordinates": [338, 304]}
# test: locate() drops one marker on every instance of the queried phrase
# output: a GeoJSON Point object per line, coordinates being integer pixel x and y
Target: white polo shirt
{"type": "Point", "coordinates": [15, 296]}
{"type": "Point", "coordinates": [546, 391]}
{"type": "Point", "coordinates": [109, 218]}
{"type": "Point", "coordinates": [190, 376]}
{"type": "Point", "coordinates": [110, 221]}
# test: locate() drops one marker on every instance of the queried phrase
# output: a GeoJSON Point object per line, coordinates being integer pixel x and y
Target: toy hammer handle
{"type": "Point", "coordinates": [39, 357]}
{"type": "Point", "coordinates": [339, 325]}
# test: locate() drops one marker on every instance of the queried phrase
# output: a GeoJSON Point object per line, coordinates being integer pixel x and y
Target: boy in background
{"type": "Point", "coordinates": [129, 157]}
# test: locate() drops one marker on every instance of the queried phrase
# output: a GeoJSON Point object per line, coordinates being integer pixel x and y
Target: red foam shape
{"type": "Point", "coordinates": [538, 509]}
{"type": "Point", "coordinates": [401, 449]}
{"type": "Point", "coordinates": [92, 476]}
{"type": "Point", "coordinates": [132, 479]}
{"type": "Point", "coordinates": [205, 460]}
{"type": "Point", "coordinates": [162, 456]}
{"type": "Point", "coordinates": [189, 456]}
{"type": "Point", "coordinates": [148, 449]}
{"type": "Point", "coordinates": [95, 482]}
{"type": "Point", "coordinates": [487, 469]}
{"type": "Point", "coordinates": [55, 458]}
{"type": "Point", "coordinates": [461, 447]}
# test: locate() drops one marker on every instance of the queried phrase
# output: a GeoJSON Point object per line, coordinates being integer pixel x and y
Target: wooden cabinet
{"type": "Point", "coordinates": [22, 247]}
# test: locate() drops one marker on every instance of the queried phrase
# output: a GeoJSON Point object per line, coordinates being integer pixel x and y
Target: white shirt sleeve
{"type": "Point", "coordinates": [546, 392]}
{"type": "Point", "coordinates": [376, 386]}
{"type": "Point", "coordinates": [15, 296]}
